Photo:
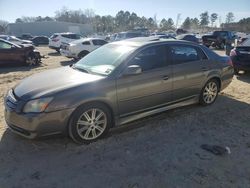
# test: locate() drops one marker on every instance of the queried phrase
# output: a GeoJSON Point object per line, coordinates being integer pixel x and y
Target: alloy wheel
{"type": "Point", "coordinates": [210, 92]}
{"type": "Point", "coordinates": [91, 124]}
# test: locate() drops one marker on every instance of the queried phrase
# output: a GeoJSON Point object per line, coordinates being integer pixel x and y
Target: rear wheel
{"type": "Point", "coordinates": [82, 54]}
{"type": "Point", "coordinates": [89, 123]}
{"type": "Point", "coordinates": [209, 92]}
{"type": "Point", "coordinates": [31, 60]}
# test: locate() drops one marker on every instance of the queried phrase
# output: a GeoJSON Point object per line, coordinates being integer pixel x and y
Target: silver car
{"type": "Point", "coordinates": [116, 84]}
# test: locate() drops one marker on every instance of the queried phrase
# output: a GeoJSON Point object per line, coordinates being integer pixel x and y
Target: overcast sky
{"type": "Point", "coordinates": [12, 9]}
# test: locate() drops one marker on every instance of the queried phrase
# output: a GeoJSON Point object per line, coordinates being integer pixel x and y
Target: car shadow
{"type": "Point", "coordinates": [17, 67]}
{"type": "Point", "coordinates": [244, 76]}
{"type": "Point", "coordinates": [54, 54]}
{"type": "Point", "coordinates": [155, 142]}
{"type": "Point", "coordinates": [69, 62]}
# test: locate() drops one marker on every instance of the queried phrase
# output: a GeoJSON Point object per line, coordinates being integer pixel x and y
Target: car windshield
{"type": "Point", "coordinates": [105, 59]}
{"type": "Point", "coordinates": [246, 42]}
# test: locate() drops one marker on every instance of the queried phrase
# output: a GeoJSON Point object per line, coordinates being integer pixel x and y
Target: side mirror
{"type": "Point", "coordinates": [133, 70]}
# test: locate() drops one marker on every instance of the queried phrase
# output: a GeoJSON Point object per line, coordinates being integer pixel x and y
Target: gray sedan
{"type": "Point", "coordinates": [116, 84]}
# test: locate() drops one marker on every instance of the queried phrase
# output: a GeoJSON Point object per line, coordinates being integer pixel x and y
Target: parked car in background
{"type": "Point", "coordinates": [80, 48]}
{"type": "Point", "coordinates": [26, 36]}
{"type": "Point", "coordinates": [241, 56]}
{"type": "Point", "coordinates": [113, 85]}
{"type": "Point", "coordinates": [40, 40]}
{"type": "Point", "coordinates": [15, 39]}
{"type": "Point", "coordinates": [128, 35]}
{"type": "Point", "coordinates": [188, 37]}
{"type": "Point", "coordinates": [13, 53]}
{"type": "Point", "coordinates": [56, 40]}
{"type": "Point", "coordinates": [218, 39]}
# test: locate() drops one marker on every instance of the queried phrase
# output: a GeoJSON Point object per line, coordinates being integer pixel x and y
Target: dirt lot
{"type": "Point", "coordinates": [158, 151]}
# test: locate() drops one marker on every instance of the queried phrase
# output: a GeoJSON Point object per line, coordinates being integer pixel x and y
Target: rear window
{"type": "Point", "coordinates": [183, 54]}
{"type": "Point", "coordinates": [132, 35]}
{"type": "Point", "coordinates": [86, 43]}
{"type": "Point", "coordinates": [99, 42]}
{"type": "Point", "coordinates": [220, 33]}
{"type": "Point", "coordinates": [71, 36]}
{"type": "Point", "coordinates": [246, 42]}
{"type": "Point", "coordinates": [53, 36]}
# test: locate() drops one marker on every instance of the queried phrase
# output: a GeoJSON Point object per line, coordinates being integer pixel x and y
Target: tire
{"type": "Point", "coordinates": [84, 127]}
{"type": "Point", "coordinates": [209, 92]}
{"type": "Point", "coordinates": [82, 54]}
{"type": "Point", "coordinates": [31, 60]}
{"type": "Point", "coordinates": [236, 71]}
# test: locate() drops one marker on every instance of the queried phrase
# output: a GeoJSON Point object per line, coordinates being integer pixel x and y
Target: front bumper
{"type": "Point", "coordinates": [32, 125]}
{"type": "Point", "coordinates": [37, 125]}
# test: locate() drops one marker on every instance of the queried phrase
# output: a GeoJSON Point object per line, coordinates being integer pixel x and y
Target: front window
{"type": "Point", "coordinates": [105, 59]}
{"type": "Point", "coordinates": [4, 45]}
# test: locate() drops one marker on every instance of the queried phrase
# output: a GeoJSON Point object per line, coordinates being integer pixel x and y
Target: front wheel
{"type": "Point", "coordinates": [209, 92]}
{"type": "Point", "coordinates": [31, 60]}
{"type": "Point", "coordinates": [89, 123]}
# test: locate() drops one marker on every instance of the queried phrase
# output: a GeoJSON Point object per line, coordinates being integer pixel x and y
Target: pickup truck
{"type": "Point", "coordinates": [218, 39]}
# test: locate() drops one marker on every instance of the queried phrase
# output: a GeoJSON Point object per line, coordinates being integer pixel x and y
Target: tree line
{"type": "Point", "coordinates": [124, 20]}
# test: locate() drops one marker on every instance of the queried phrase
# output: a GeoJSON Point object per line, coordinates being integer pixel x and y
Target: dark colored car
{"type": "Point", "coordinates": [26, 36]}
{"type": "Point", "coordinates": [188, 37]}
{"type": "Point", "coordinates": [219, 39]}
{"type": "Point", "coordinates": [40, 40]}
{"type": "Point", "coordinates": [128, 35]}
{"type": "Point", "coordinates": [241, 57]}
{"type": "Point", "coordinates": [15, 40]}
{"type": "Point", "coordinates": [13, 53]}
{"type": "Point", "coordinates": [116, 84]}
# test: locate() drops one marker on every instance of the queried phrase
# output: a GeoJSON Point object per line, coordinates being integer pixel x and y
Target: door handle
{"type": "Point", "coordinates": [165, 77]}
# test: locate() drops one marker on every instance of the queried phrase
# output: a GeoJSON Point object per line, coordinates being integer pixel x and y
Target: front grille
{"type": "Point", "coordinates": [11, 100]}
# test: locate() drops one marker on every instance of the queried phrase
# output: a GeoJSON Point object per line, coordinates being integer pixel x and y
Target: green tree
{"type": "Point", "coordinates": [204, 19]}
{"type": "Point", "coordinates": [213, 18]}
{"type": "Point", "coordinates": [187, 24]}
{"type": "Point", "coordinates": [229, 17]}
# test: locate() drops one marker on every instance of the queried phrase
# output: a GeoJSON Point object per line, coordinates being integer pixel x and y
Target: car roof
{"type": "Point", "coordinates": [141, 41]}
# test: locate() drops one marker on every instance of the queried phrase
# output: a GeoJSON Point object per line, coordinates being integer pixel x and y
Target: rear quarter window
{"type": "Point", "coordinates": [99, 42]}
{"type": "Point", "coordinates": [182, 54]}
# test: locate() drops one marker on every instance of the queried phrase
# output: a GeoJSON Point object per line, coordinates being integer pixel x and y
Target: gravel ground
{"type": "Point", "coordinates": [158, 151]}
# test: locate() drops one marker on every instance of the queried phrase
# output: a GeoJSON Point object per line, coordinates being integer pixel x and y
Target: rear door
{"type": "Point", "coordinates": [150, 89]}
{"type": "Point", "coordinates": [190, 69]}
{"type": "Point", "coordinates": [98, 43]}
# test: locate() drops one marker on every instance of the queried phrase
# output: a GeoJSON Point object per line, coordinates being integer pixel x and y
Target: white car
{"type": "Point", "coordinates": [57, 39]}
{"type": "Point", "coordinates": [80, 48]}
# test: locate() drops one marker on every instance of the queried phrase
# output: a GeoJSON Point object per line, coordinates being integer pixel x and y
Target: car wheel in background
{"type": "Point", "coordinates": [236, 71]}
{"type": "Point", "coordinates": [89, 123]}
{"type": "Point", "coordinates": [31, 60]}
{"type": "Point", "coordinates": [209, 92]}
{"type": "Point", "coordinates": [82, 54]}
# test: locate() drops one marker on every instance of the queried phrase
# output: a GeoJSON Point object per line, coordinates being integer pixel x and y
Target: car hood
{"type": "Point", "coordinates": [52, 81]}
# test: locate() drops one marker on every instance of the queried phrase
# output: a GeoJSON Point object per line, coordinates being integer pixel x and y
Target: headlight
{"type": "Point", "coordinates": [38, 105]}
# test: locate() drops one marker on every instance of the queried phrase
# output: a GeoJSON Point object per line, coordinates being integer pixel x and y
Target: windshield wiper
{"type": "Point", "coordinates": [79, 68]}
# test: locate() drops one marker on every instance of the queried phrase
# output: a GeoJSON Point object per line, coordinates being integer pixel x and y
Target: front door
{"type": "Point", "coordinates": [150, 89]}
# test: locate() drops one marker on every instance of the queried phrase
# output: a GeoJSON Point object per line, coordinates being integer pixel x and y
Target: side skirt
{"type": "Point", "coordinates": [127, 119]}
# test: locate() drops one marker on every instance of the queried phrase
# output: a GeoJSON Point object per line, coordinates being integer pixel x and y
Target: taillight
{"type": "Point", "coordinates": [233, 52]}
{"type": "Point", "coordinates": [55, 40]}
